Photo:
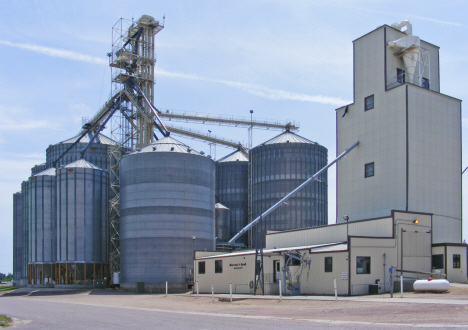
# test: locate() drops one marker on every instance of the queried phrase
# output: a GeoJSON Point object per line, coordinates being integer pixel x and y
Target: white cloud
{"type": "Point", "coordinates": [56, 52]}
{"type": "Point", "coordinates": [265, 92]}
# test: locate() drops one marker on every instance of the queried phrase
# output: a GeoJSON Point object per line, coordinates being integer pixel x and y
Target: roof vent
{"type": "Point", "coordinates": [188, 149]}
{"type": "Point", "coordinates": [209, 156]}
{"type": "Point", "coordinates": [287, 141]}
{"type": "Point", "coordinates": [172, 148]}
{"type": "Point", "coordinates": [138, 149]}
{"type": "Point", "coordinates": [202, 152]}
{"type": "Point", "coordinates": [154, 148]}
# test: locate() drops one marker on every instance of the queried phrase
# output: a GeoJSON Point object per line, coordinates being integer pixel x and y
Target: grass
{"type": "Point", "coordinates": [6, 288]}
{"type": "Point", "coordinates": [5, 321]}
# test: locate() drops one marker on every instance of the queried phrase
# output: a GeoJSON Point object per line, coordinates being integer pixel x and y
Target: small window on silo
{"type": "Point", "coordinates": [425, 83]}
{"type": "Point", "coordinates": [400, 76]}
{"type": "Point", "coordinates": [369, 103]}
{"type": "Point", "coordinates": [369, 170]}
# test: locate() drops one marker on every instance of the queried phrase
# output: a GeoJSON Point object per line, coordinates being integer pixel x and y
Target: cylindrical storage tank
{"type": "Point", "coordinates": [279, 166]}
{"type": "Point", "coordinates": [167, 198]}
{"type": "Point", "coordinates": [42, 227]}
{"type": "Point", "coordinates": [17, 237]}
{"type": "Point", "coordinates": [25, 234]}
{"type": "Point", "coordinates": [232, 177]}
{"type": "Point", "coordinates": [38, 169]}
{"type": "Point", "coordinates": [82, 223]}
{"type": "Point", "coordinates": [223, 223]}
{"type": "Point", "coordinates": [97, 153]}
{"type": "Point", "coordinates": [440, 285]}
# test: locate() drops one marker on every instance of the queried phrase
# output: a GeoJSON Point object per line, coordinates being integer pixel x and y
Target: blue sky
{"type": "Point", "coordinates": [283, 59]}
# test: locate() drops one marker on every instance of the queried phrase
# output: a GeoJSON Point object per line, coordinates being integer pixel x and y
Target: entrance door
{"type": "Point", "coordinates": [276, 271]}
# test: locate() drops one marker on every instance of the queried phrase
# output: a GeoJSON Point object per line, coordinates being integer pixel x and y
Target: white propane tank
{"type": "Point", "coordinates": [432, 285]}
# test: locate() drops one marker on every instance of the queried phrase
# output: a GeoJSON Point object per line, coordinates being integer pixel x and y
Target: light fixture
{"type": "Point", "coordinates": [416, 221]}
{"type": "Point", "coordinates": [345, 218]}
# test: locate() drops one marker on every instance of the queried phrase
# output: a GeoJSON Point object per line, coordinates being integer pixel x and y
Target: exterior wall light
{"type": "Point", "coordinates": [416, 221]}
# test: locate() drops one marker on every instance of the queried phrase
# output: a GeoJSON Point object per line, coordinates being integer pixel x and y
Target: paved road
{"type": "Point", "coordinates": [41, 314]}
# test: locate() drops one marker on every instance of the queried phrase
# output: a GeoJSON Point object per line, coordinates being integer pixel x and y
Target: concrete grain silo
{"type": "Point", "coordinates": [167, 193]}
{"type": "Point", "coordinates": [281, 164]}
{"type": "Point", "coordinates": [82, 223]}
{"type": "Point", "coordinates": [42, 227]}
{"type": "Point", "coordinates": [232, 191]}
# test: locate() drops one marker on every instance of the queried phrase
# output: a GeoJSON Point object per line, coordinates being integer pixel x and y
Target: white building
{"type": "Point", "coordinates": [400, 188]}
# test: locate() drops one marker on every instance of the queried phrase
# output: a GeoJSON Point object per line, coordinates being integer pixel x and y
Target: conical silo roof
{"type": "Point", "coordinates": [81, 163]}
{"type": "Point", "coordinates": [236, 156]}
{"type": "Point", "coordinates": [49, 171]}
{"type": "Point", "coordinates": [168, 144]}
{"type": "Point", "coordinates": [100, 139]}
{"type": "Point", "coordinates": [288, 137]}
{"type": "Point", "coordinates": [221, 206]}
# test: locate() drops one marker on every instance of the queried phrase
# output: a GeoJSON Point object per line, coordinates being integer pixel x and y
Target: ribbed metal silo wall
{"type": "Point", "coordinates": [223, 224]}
{"type": "Point", "coordinates": [280, 168]}
{"type": "Point", "coordinates": [82, 215]}
{"type": "Point", "coordinates": [17, 236]}
{"type": "Point", "coordinates": [42, 228]}
{"type": "Point", "coordinates": [24, 234]}
{"type": "Point", "coordinates": [232, 192]}
{"type": "Point", "coordinates": [166, 198]}
{"type": "Point", "coordinates": [97, 154]}
{"type": "Point", "coordinates": [38, 168]}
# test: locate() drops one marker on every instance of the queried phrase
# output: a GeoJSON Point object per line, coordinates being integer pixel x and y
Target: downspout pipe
{"type": "Point", "coordinates": [285, 198]}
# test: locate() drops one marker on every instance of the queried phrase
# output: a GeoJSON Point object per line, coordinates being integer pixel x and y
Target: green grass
{"type": "Point", "coordinates": [5, 321]}
{"type": "Point", "coordinates": [6, 288]}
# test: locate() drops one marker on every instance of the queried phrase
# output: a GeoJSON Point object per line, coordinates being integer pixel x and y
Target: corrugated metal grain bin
{"type": "Point", "coordinates": [223, 223]}
{"type": "Point", "coordinates": [82, 223]}
{"type": "Point", "coordinates": [280, 165]}
{"type": "Point", "coordinates": [167, 211]}
{"type": "Point", "coordinates": [17, 237]}
{"type": "Point", "coordinates": [42, 226]}
{"type": "Point", "coordinates": [232, 191]}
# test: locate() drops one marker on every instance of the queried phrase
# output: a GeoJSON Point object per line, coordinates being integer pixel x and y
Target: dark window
{"type": "Point", "coordinates": [456, 261]}
{"type": "Point", "coordinates": [328, 264]}
{"type": "Point", "coordinates": [400, 75]}
{"type": "Point", "coordinates": [292, 261]}
{"type": "Point", "coordinates": [201, 267]}
{"type": "Point", "coordinates": [438, 261]}
{"type": "Point", "coordinates": [369, 103]}
{"type": "Point", "coordinates": [362, 265]}
{"type": "Point", "coordinates": [369, 170]}
{"type": "Point", "coordinates": [218, 266]}
{"type": "Point", "coordinates": [425, 83]}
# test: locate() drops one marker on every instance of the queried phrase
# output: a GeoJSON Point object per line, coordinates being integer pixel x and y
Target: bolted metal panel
{"type": "Point", "coordinates": [18, 224]}
{"type": "Point", "coordinates": [167, 197]}
{"type": "Point", "coordinates": [82, 214]}
{"type": "Point", "coordinates": [24, 233]}
{"type": "Point", "coordinates": [278, 168]}
{"type": "Point", "coordinates": [96, 154]}
{"type": "Point", "coordinates": [42, 219]}
{"type": "Point", "coordinates": [38, 169]}
{"type": "Point", "coordinates": [232, 191]}
{"type": "Point", "coordinates": [223, 223]}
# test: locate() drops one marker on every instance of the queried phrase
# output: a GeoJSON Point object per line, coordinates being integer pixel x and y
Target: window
{"type": "Point", "coordinates": [369, 103]}
{"type": "Point", "coordinates": [218, 266]}
{"type": "Point", "coordinates": [369, 170]}
{"type": "Point", "coordinates": [438, 261]}
{"type": "Point", "coordinates": [362, 265]}
{"type": "Point", "coordinates": [292, 261]}
{"type": "Point", "coordinates": [400, 75]}
{"type": "Point", "coordinates": [425, 83]}
{"type": "Point", "coordinates": [456, 261]}
{"type": "Point", "coordinates": [328, 264]}
{"type": "Point", "coordinates": [201, 267]}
